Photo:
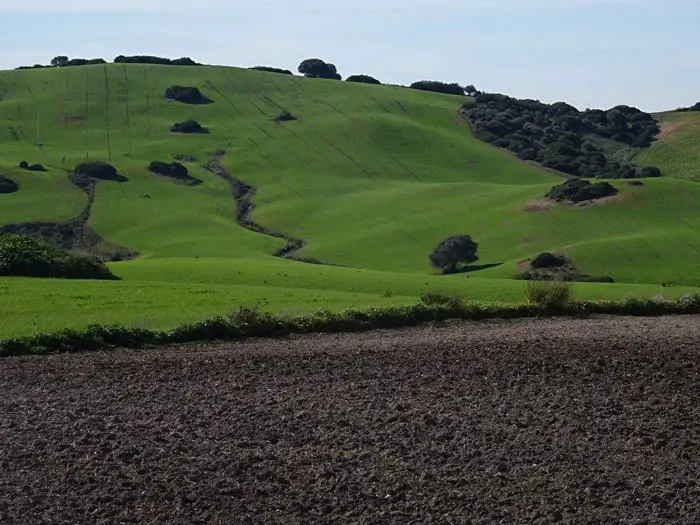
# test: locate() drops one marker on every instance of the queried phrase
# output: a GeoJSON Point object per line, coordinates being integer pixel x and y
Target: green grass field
{"type": "Point", "coordinates": [372, 177]}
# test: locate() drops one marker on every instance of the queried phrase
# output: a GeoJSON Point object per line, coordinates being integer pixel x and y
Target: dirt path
{"type": "Point", "coordinates": [527, 421]}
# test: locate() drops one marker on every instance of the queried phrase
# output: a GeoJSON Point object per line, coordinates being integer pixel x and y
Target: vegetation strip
{"type": "Point", "coordinates": [547, 300]}
{"type": "Point", "coordinates": [243, 195]}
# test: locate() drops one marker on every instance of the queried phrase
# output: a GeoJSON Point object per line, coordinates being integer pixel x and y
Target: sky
{"type": "Point", "coordinates": [590, 53]}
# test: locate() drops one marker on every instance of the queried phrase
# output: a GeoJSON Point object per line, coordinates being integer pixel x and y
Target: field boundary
{"type": "Point", "coordinates": [250, 322]}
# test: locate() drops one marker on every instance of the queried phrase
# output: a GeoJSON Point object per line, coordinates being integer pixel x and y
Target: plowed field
{"type": "Point", "coordinates": [528, 421]}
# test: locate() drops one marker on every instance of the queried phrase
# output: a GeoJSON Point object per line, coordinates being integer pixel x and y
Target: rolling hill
{"type": "Point", "coordinates": [368, 178]}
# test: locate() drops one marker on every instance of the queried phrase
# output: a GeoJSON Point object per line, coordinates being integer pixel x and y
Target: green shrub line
{"type": "Point", "coordinates": [248, 322]}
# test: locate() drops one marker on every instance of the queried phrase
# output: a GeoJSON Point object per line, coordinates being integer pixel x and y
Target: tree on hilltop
{"type": "Point", "coordinates": [317, 68]}
{"type": "Point", "coordinates": [59, 61]}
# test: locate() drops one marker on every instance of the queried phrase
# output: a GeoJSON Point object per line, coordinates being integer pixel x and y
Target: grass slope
{"type": "Point", "coordinates": [677, 152]}
{"type": "Point", "coordinates": [372, 177]}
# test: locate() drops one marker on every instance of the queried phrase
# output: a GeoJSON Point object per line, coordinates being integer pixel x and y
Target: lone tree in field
{"type": "Point", "coordinates": [453, 252]}
{"type": "Point", "coordinates": [317, 68]}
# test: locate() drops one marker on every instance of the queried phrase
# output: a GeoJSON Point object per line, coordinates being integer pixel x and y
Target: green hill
{"type": "Point", "coordinates": [369, 177]}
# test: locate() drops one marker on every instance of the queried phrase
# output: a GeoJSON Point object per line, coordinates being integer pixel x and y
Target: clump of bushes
{"type": "Point", "coordinates": [559, 136]}
{"type": "Point", "coordinates": [189, 126]}
{"type": "Point", "coordinates": [97, 170]}
{"type": "Point", "coordinates": [272, 70]}
{"type": "Point", "coordinates": [27, 257]}
{"type": "Point", "coordinates": [7, 185]}
{"type": "Point", "coordinates": [31, 167]}
{"type": "Point", "coordinates": [650, 171]}
{"type": "Point", "coordinates": [438, 87]}
{"type": "Point", "coordinates": [579, 190]}
{"type": "Point", "coordinates": [173, 170]}
{"type": "Point", "coordinates": [145, 59]}
{"type": "Point", "coordinates": [285, 116]}
{"type": "Point", "coordinates": [186, 95]}
{"type": "Point", "coordinates": [362, 79]}
{"type": "Point", "coordinates": [550, 295]}
{"type": "Point", "coordinates": [549, 266]}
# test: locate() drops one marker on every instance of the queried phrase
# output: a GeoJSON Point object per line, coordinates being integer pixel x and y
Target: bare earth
{"type": "Point", "coordinates": [528, 421]}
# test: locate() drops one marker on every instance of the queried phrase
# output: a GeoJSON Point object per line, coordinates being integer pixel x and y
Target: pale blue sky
{"type": "Point", "coordinates": [594, 53]}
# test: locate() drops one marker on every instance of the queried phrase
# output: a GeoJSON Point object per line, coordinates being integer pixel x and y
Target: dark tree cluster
{"type": "Point", "coordinates": [454, 252]}
{"type": "Point", "coordinates": [272, 70]}
{"type": "Point", "coordinates": [579, 190]}
{"type": "Point", "coordinates": [64, 61]}
{"type": "Point", "coordinates": [439, 87]}
{"type": "Point", "coordinates": [317, 68]}
{"type": "Point", "coordinates": [559, 136]}
{"type": "Point", "coordinates": [27, 257]}
{"type": "Point", "coordinates": [31, 167]}
{"type": "Point", "coordinates": [186, 95]}
{"type": "Point", "coordinates": [7, 185]}
{"type": "Point", "coordinates": [189, 126]}
{"type": "Point", "coordinates": [696, 107]}
{"type": "Point", "coordinates": [98, 170]}
{"type": "Point", "coordinates": [174, 170]}
{"type": "Point", "coordinates": [284, 116]}
{"type": "Point", "coordinates": [362, 79]}
{"type": "Point", "coordinates": [144, 59]}
{"type": "Point", "coordinates": [549, 266]}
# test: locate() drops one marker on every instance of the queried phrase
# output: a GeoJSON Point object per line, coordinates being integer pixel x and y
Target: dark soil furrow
{"type": "Point", "coordinates": [527, 421]}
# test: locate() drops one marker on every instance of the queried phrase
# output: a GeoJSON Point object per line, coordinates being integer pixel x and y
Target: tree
{"type": "Point", "coordinates": [362, 79]}
{"type": "Point", "coordinates": [454, 251]}
{"type": "Point", "coordinates": [59, 61]}
{"type": "Point", "coordinates": [317, 68]}
{"type": "Point", "coordinates": [470, 90]}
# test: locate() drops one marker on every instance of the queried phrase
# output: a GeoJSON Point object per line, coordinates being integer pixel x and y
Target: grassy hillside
{"type": "Point", "coordinates": [371, 177]}
{"type": "Point", "coordinates": [678, 150]}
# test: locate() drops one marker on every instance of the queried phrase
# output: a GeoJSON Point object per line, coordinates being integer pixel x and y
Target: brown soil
{"type": "Point", "coordinates": [528, 421]}
{"type": "Point", "coordinates": [667, 129]}
{"type": "Point", "coordinates": [540, 205]}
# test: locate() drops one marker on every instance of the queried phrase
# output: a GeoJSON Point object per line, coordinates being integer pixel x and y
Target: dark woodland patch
{"type": "Point", "coordinates": [186, 95]}
{"type": "Point", "coordinates": [175, 171]}
{"type": "Point", "coordinates": [580, 190]}
{"type": "Point", "coordinates": [7, 185]}
{"type": "Point", "coordinates": [272, 70]}
{"type": "Point", "coordinates": [562, 138]}
{"type": "Point", "coordinates": [190, 127]}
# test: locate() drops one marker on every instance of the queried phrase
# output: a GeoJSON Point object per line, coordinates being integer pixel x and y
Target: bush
{"type": "Point", "coordinates": [7, 185]}
{"type": "Point", "coordinates": [97, 170]}
{"type": "Point", "coordinates": [650, 171]}
{"type": "Point", "coordinates": [453, 252]}
{"type": "Point", "coordinates": [549, 260]}
{"type": "Point", "coordinates": [438, 87]}
{"type": "Point", "coordinates": [579, 190]}
{"type": "Point", "coordinates": [317, 68]}
{"type": "Point", "coordinates": [549, 295]}
{"type": "Point", "coordinates": [272, 70]}
{"type": "Point", "coordinates": [442, 298]}
{"type": "Point", "coordinates": [26, 257]}
{"type": "Point", "coordinates": [24, 165]}
{"type": "Point", "coordinates": [362, 79]}
{"type": "Point", "coordinates": [36, 167]}
{"type": "Point", "coordinates": [186, 95]}
{"type": "Point", "coordinates": [189, 126]}
{"type": "Point", "coordinates": [173, 170]}
{"type": "Point", "coordinates": [285, 116]}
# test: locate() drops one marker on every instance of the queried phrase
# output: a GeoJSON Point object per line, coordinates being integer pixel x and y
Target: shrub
{"type": "Point", "coordinates": [438, 87]}
{"type": "Point", "coordinates": [650, 171]}
{"type": "Point", "coordinates": [189, 126]}
{"type": "Point", "coordinates": [362, 79]}
{"type": "Point", "coordinates": [285, 116]}
{"type": "Point", "coordinates": [24, 256]}
{"type": "Point", "coordinates": [453, 252]}
{"type": "Point", "coordinates": [24, 165]}
{"type": "Point", "coordinates": [549, 260]}
{"type": "Point", "coordinates": [272, 70]}
{"type": "Point", "coordinates": [186, 95]}
{"type": "Point", "coordinates": [317, 68]}
{"type": "Point", "coordinates": [36, 167]}
{"type": "Point", "coordinates": [7, 185]}
{"type": "Point", "coordinates": [442, 298]}
{"type": "Point", "coordinates": [550, 295]}
{"type": "Point", "coordinates": [579, 190]}
{"type": "Point", "coordinates": [97, 170]}
{"type": "Point", "coordinates": [174, 170]}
